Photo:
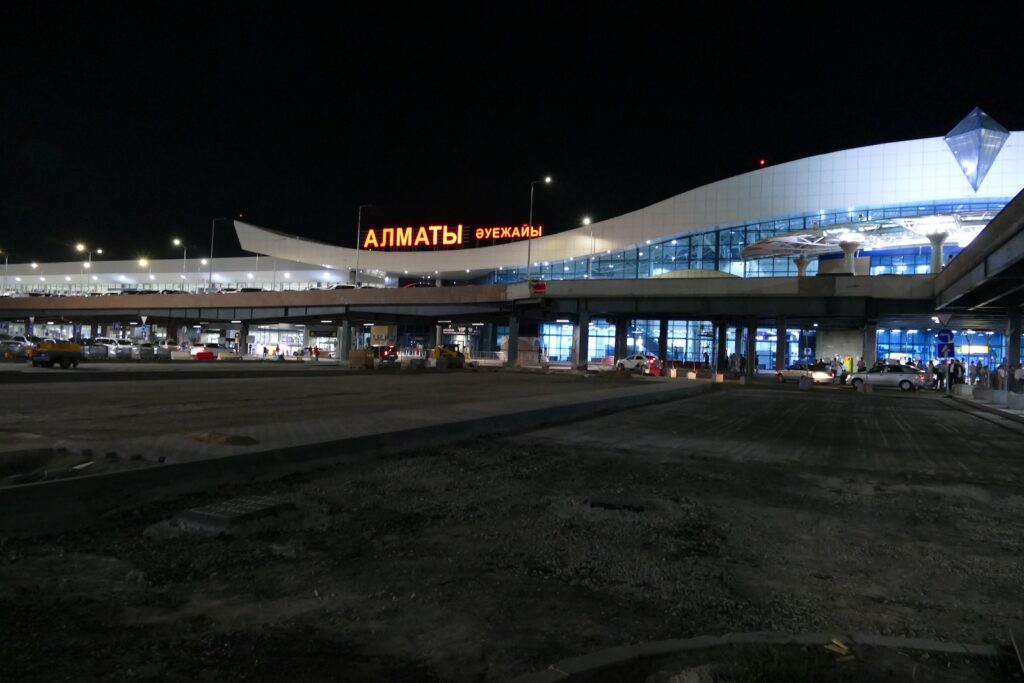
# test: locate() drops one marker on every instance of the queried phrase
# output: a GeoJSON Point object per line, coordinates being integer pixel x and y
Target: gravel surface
{"type": "Point", "coordinates": [499, 556]}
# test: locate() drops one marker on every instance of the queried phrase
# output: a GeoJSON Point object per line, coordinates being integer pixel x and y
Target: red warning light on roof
{"type": "Point", "coordinates": [761, 162]}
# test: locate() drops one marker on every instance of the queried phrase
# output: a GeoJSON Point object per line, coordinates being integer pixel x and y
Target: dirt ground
{"type": "Point", "coordinates": [741, 510]}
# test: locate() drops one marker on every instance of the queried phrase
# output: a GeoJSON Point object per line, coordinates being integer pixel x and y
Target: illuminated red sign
{"type": "Point", "coordinates": [443, 236]}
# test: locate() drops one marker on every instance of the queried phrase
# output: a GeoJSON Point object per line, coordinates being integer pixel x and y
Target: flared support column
{"type": "Point", "coordinates": [849, 251]}
{"type": "Point", "coordinates": [801, 263]}
{"type": "Point", "coordinates": [937, 239]}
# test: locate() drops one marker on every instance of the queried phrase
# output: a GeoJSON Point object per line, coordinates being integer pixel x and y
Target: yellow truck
{"type": "Point", "coordinates": [50, 353]}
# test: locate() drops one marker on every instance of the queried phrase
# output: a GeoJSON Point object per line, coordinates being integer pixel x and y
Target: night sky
{"type": "Point", "coordinates": [126, 126]}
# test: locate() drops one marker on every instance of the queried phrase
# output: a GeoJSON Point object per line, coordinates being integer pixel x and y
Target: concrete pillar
{"type": "Point", "coordinates": [738, 341]}
{"type": "Point", "coordinates": [433, 337]}
{"type": "Point", "coordinates": [513, 341]}
{"type": "Point", "coordinates": [751, 353]}
{"type": "Point", "coordinates": [801, 265]}
{"type": "Point", "coordinates": [780, 343]}
{"type": "Point", "coordinates": [1013, 338]}
{"type": "Point", "coordinates": [581, 341]}
{"type": "Point", "coordinates": [243, 339]}
{"type": "Point", "coordinates": [721, 359]}
{"type": "Point", "coordinates": [937, 239]}
{"type": "Point", "coordinates": [621, 330]}
{"type": "Point", "coordinates": [663, 340]}
{"type": "Point", "coordinates": [344, 340]}
{"type": "Point", "coordinates": [870, 346]}
{"type": "Point", "coordinates": [849, 250]}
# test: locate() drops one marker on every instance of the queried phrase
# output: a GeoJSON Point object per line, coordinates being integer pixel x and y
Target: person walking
{"type": "Point", "coordinates": [265, 352]}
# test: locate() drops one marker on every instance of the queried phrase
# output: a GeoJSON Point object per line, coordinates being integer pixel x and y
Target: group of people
{"type": "Point", "coordinates": [955, 371]}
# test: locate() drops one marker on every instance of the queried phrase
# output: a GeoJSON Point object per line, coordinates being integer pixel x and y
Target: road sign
{"type": "Point", "coordinates": [944, 318]}
{"type": "Point", "coordinates": [944, 336]}
{"type": "Point", "coordinates": [945, 350]}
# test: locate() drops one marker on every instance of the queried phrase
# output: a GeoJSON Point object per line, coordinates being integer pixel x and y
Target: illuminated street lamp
{"type": "Point", "coordinates": [82, 249]}
{"type": "Point", "coordinates": [359, 229]}
{"type": "Point", "coordinates": [529, 234]}
{"type": "Point", "coordinates": [184, 253]}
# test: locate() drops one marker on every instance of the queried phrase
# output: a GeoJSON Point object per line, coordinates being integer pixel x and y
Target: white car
{"type": "Point", "coordinates": [905, 377]}
{"type": "Point", "coordinates": [797, 370]}
{"type": "Point", "coordinates": [116, 348]}
{"type": "Point", "coordinates": [637, 362]}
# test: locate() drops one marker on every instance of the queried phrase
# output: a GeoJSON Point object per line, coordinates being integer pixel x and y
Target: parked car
{"type": "Point", "coordinates": [819, 375]}
{"type": "Point", "coordinates": [658, 369]}
{"type": "Point", "coordinates": [143, 351]}
{"type": "Point", "coordinates": [637, 362]}
{"type": "Point", "coordinates": [93, 350]}
{"type": "Point", "coordinates": [905, 377]}
{"type": "Point", "coordinates": [211, 347]}
{"type": "Point", "coordinates": [120, 349]}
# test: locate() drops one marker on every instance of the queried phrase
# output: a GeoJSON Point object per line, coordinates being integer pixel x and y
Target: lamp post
{"type": "Point", "coordinates": [359, 230]}
{"type": "Point", "coordinates": [184, 253]}
{"type": "Point", "coordinates": [213, 232]}
{"type": "Point", "coordinates": [86, 265]}
{"type": "Point", "coordinates": [590, 259]}
{"type": "Point", "coordinates": [529, 235]}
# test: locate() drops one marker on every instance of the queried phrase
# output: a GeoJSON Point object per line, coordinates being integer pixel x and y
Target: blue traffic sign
{"type": "Point", "coordinates": [944, 336]}
{"type": "Point", "coordinates": [945, 350]}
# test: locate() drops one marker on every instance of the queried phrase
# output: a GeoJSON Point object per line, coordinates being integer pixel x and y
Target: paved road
{"type": "Point", "coordinates": [886, 431]}
{"type": "Point", "coordinates": [747, 509]}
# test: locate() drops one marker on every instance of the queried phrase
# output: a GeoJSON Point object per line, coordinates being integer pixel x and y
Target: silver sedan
{"type": "Point", "coordinates": [905, 377]}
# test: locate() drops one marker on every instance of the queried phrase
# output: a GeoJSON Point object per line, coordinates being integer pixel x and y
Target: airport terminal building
{"type": "Point", "coordinates": [889, 213]}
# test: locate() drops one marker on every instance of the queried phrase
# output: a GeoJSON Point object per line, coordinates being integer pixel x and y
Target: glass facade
{"type": "Point", "coordinates": [720, 249]}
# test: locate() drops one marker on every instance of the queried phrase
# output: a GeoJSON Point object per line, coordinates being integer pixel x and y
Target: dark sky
{"type": "Point", "coordinates": [126, 125]}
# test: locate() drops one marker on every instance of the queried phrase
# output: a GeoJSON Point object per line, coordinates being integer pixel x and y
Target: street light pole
{"type": "Point", "coordinates": [590, 259]}
{"type": "Point", "coordinates": [359, 230]}
{"type": "Point", "coordinates": [213, 231]}
{"type": "Point", "coordinates": [529, 234]}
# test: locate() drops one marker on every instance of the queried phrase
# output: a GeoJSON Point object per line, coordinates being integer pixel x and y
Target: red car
{"type": "Point", "coordinates": [658, 369]}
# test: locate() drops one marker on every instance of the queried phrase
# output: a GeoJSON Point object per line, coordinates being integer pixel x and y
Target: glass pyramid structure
{"type": "Point", "coordinates": [975, 142]}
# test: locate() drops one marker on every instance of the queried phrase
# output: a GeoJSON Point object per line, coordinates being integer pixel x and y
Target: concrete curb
{"type": "Point", "coordinates": [987, 408]}
{"type": "Point", "coordinates": [52, 506]}
{"type": "Point", "coordinates": [584, 666]}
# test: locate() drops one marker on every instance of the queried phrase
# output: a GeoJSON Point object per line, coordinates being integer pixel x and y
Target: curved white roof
{"type": "Point", "coordinates": [888, 174]}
